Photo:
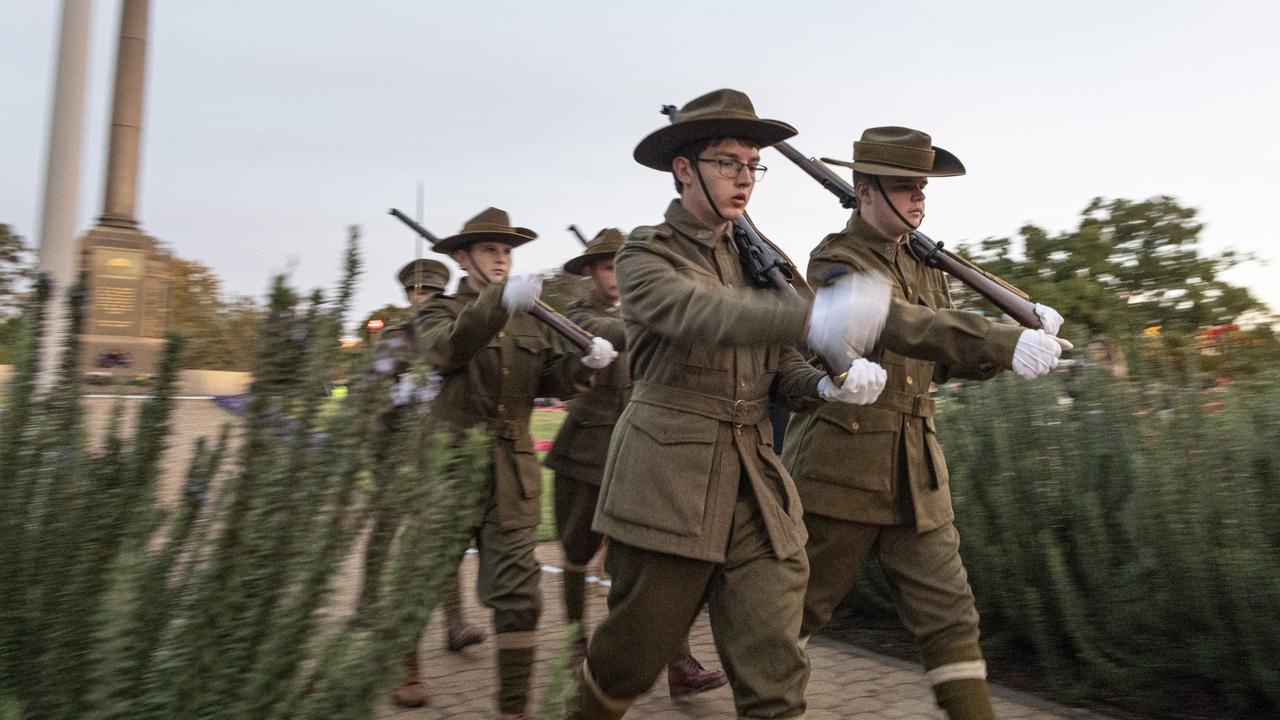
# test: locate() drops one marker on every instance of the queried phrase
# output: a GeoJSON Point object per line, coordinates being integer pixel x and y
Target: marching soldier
{"type": "Point", "coordinates": [696, 506]}
{"type": "Point", "coordinates": [579, 452]}
{"type": "Point", "coordinates": [422, 280]}
{"type": "Point", "coordinates": [872, 477]}
{"type": "Point", "coordinates": [494, 359]}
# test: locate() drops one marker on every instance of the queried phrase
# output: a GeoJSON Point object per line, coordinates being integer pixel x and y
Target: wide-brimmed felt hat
{"type": "Point", "coordinates": [424, 273]}
{"type": "Point", "coordinates": [718, 114]}
{"type": "Point", "coordinates": [604, 245]}
{"type": "Point", "coordinates": [491, 225]}
{"type": "Point", "coordinates": [900, 152]}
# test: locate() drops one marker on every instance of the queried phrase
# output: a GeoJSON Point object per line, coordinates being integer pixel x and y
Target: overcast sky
{"type": "Point", "coordinates": [270, 126]}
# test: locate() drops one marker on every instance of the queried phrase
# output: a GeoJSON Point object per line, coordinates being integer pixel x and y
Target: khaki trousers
{"type": "Point", "coordinates": [926, 578]}
{"type": "Point", "coordinates": [754, 600]}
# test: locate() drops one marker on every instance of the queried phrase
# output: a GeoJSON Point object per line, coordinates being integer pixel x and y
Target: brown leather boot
{"type": "Point", "coordinates": [410, 692]}
{"type": "Point", "coordinates": [687, 676]}
{"type": "Point", "coordinates": [460, 635]}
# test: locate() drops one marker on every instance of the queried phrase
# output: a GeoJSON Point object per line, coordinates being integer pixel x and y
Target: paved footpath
{"type": "Point", "coordinates": [847, 682]}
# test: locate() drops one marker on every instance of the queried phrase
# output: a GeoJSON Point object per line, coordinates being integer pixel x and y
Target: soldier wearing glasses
{"type": "Point", "coordinates": [696, 505]}
{"type": "Point", "coordinates": [873, 478]}
{"type": "Point", "coordinates": [580, 449]}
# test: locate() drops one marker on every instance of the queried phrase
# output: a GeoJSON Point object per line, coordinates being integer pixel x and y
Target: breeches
{"type": "Point", "coordinates": [575, 508]}
{"type": "Point", "coordinates": [754, 600]}
{"type": "Point", "coordinates": [926, 578]}
{"type": "Point", "coordinates": [507, 581]}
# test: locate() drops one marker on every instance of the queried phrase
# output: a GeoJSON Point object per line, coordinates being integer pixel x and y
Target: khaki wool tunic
{"type": "Point", "coordinates": [707, 352]}
{"type": "Point", "coordinates": [846, 458]}
{"type": "Point", "coordinates": [582, 444]}
{"type": "Point", "coordinates": [492, 365]}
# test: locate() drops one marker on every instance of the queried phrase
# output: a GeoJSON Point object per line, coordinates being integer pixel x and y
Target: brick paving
{"type": "Point", "coordinates": [846, 681]}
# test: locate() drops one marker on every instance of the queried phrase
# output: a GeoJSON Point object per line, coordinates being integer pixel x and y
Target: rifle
{"type": "Point", "coordinates": [578, 233]}
{"type": "Point", "coordinates": [542, 311]}
{"type": "Point", "coordinates": [1014, 302]}
{"type": "Point", "coordinates": [764, 262]}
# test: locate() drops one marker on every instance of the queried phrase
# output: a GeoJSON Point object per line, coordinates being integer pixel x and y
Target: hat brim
{"type": "Point", "coordinates": [577, 265]}
{"type": "Point", "coordinates": [945, 164]}
{"type": "Point", "coordinates": [659, 148]}
{"type": "Point", "coordinates": [462, 240]}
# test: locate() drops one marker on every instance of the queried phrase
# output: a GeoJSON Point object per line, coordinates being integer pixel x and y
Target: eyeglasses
{"type": "Point", "coordinates": [731, 169]}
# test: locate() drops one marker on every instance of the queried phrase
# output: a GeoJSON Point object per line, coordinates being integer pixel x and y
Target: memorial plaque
{"type": "Point", "coordinates": [117, 285]}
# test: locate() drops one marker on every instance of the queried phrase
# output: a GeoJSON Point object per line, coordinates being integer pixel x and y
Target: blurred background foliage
{"type": "Point", "coordinates": [219, 605]}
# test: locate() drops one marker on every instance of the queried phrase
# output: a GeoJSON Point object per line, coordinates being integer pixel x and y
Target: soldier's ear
{"type": "Point", "coordinates": [462, 258]}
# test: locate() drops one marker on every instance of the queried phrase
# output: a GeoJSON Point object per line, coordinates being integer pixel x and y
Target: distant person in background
{"type": "Point", "coordinates": [422, 280]}
{"type": "Point", "coordinates": [580, 449]}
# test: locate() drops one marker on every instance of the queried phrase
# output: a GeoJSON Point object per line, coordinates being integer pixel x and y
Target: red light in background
{"type": "Point", "coordinates": [374, 325]}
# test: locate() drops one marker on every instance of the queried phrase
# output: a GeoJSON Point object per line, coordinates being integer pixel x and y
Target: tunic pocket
{"type": "Point", "coordinates": [853, 446]}
{"type": "Point", "coordinates": [661, 470]}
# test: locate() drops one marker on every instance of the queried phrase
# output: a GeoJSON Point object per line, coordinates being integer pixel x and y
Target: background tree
{"type": "Point", "coordinates": [1128, 266]}
{"type": "Point", "coordinates": [216, 330]}
{"type": "Point", "coordinates": [16, 269]}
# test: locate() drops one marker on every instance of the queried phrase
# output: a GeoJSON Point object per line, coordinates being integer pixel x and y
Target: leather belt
{"type": "Point", "coordinates": [738, 412]}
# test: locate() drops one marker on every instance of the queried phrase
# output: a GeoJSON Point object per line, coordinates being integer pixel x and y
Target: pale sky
{"type": "Point", "coordinates": [270, 126]}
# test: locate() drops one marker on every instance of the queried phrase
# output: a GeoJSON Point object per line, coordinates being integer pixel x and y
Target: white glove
{"type": "Point", "coordinates": [847, 318]}
{"type": "Point", "coordinates": [1037, 353]}
{"type": "Point", "coordinates": [862, 384]}
{"type": "Point", "coordinates": [1050, 320]}
{"type": "Point", "coordinates": [600, 354]}
{"type": "Point", "coordinates": [521, 292]}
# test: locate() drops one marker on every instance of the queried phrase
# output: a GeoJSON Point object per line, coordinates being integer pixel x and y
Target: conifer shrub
{"type": "Point", "coordinates": [1122, 533]}
{"type": "Point", "coordinates": [114, 605]}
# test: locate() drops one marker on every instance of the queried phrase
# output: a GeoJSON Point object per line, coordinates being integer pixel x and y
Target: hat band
{"type": "Point", "coordinates": [488, 228]}
{"type": "Point", "coordinates": [896, 155]}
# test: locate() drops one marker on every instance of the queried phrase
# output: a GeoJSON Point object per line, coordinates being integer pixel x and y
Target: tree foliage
{"type": "Point", "coordinates": [216, 330]}
{"type": "Point", "coordinates": [1128, 266]}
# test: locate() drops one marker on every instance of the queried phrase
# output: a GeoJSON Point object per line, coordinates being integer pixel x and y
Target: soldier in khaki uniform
{"type": "Point", "coordinates": [695, 503]}
{"type": "Point", "coordinates": [422, 280]}
{"type": "Point", "coordinates": [873, 477]}
{"type": "Point", "coordinates": [580, 449]}
{"type": "Point", "coordinates": [494, 359]}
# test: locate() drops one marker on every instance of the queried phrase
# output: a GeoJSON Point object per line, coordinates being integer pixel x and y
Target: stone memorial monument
{"type": "Point", "coordinates": [128, 276]}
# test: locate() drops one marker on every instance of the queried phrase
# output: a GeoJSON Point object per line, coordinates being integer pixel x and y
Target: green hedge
{"type": "Point", "coordinates": [114, 606]}
{"type": "Point", "coordinates": [1124, 534]}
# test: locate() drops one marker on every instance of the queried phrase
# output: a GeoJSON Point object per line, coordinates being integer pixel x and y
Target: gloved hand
{"type": "Point", "coordinates": [521, 292]}
{"type": "Point", "coordinates": [1050, 320]}
{"type": "Point", "coordinates": [862, 384]}
{"type": "Point", "coordinates": [1037, 353]}
{"type": "Point", "coordinates": [847, 318]}
{"type": "Point", "coordinates": [600, 354]}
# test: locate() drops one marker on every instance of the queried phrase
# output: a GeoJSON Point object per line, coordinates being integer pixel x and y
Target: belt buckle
{"type": "Point", "coordinates": [736, 405]}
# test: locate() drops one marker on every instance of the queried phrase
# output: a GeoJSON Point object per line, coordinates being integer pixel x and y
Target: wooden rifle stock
{"type": "Point", "coordinates": [542, 311]}
{"type": "Point", "coordinates": [1014, 302]}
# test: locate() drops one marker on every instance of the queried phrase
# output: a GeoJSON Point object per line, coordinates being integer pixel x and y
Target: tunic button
{"type": "Point", "coordinates": [910, 380]}
{"type": "Point", "coordinates": [908, 289]}
{"type": "Point", "coordinates": [502, 407]}
{"type": "Point", "coordinates": [502, 333]}
{"type": "Point", "coordinates": [742, 382]}
{"type": "Point", "coordinates": [506, 371]}
{"type": "Point", "coordinates": [854, 426]}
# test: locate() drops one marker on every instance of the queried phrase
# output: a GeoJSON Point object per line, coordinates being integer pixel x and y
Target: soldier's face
{"type": "Point", "coordinates": [492, 260]}
{"type": "Point", "coordinates": [601, 271]}
{"type": "Point", "coordinates": [730, 194]}
{"type": "Point", "coordinates": [906, 194]}
{"type": "Point", "coordinates": [421, 295]}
